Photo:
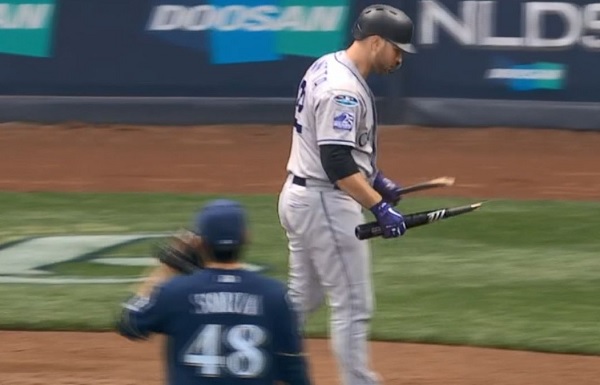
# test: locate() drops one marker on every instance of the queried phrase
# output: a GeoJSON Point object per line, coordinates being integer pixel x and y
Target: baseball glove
{"type": "Point", "coordinates": [179, 254]}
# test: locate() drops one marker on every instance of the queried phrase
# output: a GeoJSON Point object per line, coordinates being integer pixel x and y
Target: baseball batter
{"type": "Point", "coordinates": [333, 176]}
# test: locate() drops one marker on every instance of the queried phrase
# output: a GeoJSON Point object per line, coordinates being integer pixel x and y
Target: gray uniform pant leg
{"type": "Point", "coordinates": [325, 256]}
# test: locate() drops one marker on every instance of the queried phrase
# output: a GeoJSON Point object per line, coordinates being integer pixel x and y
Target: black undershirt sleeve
{"type": "Point", "coordinates": [337, 161]}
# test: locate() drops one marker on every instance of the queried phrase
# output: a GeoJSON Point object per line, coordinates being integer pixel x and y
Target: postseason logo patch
{"type": "Point", "coordinates": [343, 120]}
{"type": "Point", "coordinates": [346, 100]}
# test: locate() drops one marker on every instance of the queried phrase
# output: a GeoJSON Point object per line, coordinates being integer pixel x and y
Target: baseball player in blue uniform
{"type": "Point", "coordinates": [224, 324]}
{"type": "Point", "coordinates": [333, 177]}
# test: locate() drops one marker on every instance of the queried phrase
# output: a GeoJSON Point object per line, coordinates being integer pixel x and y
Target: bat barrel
{"type": "Point", "coordinates": [373, 229]}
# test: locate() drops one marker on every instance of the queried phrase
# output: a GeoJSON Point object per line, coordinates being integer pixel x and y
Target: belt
{"type": "Point", "coordinates": [299, 181]}
{"type": "Point", "coordinates": [302, 182]}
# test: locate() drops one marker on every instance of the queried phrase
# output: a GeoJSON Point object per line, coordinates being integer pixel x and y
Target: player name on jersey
{"type": "Point", "coordinates": [224, 302]}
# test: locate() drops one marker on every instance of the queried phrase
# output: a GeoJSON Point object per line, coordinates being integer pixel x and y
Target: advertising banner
{"type": "Point", "coordinates": [26, 27]}
{"type": "Point", "coordinates": [234, 31]}
{"type": "Point", "coordinates": [518, 49]}
{"type": "Point", "coordinates": [209, 48]}
{"type": "Point", "coordinates": [468, 50]}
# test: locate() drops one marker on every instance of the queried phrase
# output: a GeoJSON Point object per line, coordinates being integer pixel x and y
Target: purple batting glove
{"type": "Point", "coordinates": [390, 220]}
{"type": "Point", "coordinates": [390, 191]}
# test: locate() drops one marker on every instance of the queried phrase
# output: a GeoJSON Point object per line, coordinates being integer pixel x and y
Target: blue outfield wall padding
{"type": "Point", "coordinates": [146, 110]}
{"type": "Point", "coordinates": [199, 111]}
{"type": "Point", "coordinates": [518, 63]}
{"type": "Point", "coordinates": [510, 113]}
{"type": "Point", "coordinates": [149, 110]}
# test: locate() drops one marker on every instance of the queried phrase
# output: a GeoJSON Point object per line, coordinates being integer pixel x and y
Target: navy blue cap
{"type": "Point", "coordinates": [221, 224]}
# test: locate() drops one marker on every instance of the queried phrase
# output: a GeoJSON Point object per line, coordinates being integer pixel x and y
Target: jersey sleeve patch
{"type": "Point", "coordinates": [346, 100]}
{"type": "Point", "coordinates": [338, 117]}
{"type": "Point", "coordinates": [344, 120]}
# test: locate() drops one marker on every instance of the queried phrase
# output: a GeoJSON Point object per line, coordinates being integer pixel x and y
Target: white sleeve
{"type": "Point", "coordinates": [337, 116]}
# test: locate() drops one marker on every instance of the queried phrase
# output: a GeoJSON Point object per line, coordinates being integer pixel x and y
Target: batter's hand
{"type": "Point", "coordinates": [391, 221]}
{"type": "Point", "coordinates": [389, 190]}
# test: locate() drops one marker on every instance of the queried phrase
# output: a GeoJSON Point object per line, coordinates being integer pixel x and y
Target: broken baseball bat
{"type": "Point", "coordinates": [372, 229]}
{"type": "Point", "coordinates": [437, 182]}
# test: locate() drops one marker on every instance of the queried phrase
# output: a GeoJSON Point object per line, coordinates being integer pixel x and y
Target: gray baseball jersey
{"type": "Point", "coordinates": [334, 106]}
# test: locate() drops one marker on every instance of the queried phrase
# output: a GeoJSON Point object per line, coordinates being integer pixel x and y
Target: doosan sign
{"type": "Point", "coordinates": [239, 17]}
{"type": "Point", "coordinates": [238, 31]}
{"type": "Point", "coordinates": [474, 24]}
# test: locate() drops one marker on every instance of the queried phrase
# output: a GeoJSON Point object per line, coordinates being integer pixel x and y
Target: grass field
{"type": "Point", "coordinates": [520, 275]}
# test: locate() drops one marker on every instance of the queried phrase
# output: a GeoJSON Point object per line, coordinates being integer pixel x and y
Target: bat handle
{"type": "Point", "coordinates": [368, 230]}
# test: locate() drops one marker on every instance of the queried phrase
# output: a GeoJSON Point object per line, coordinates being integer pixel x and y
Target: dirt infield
{"type": "Point", "coordinates": [528, 164]}
{"type": "Point", "coordinates": [486, 162]}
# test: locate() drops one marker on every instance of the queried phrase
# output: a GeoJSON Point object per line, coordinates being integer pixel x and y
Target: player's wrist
{"type": "Point", "coordinates": [373, 200]}
{"type": "Point", "coordinates": [379, 207]}
{"type": "Point", "coordinates": [157, 276]}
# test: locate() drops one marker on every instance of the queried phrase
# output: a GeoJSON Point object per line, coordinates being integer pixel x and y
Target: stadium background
{"type": "Point", "coordinates": [116, 121]}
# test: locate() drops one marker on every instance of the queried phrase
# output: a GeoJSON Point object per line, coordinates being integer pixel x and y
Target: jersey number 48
{"type": "Point", "coordinates": [244, 358]}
